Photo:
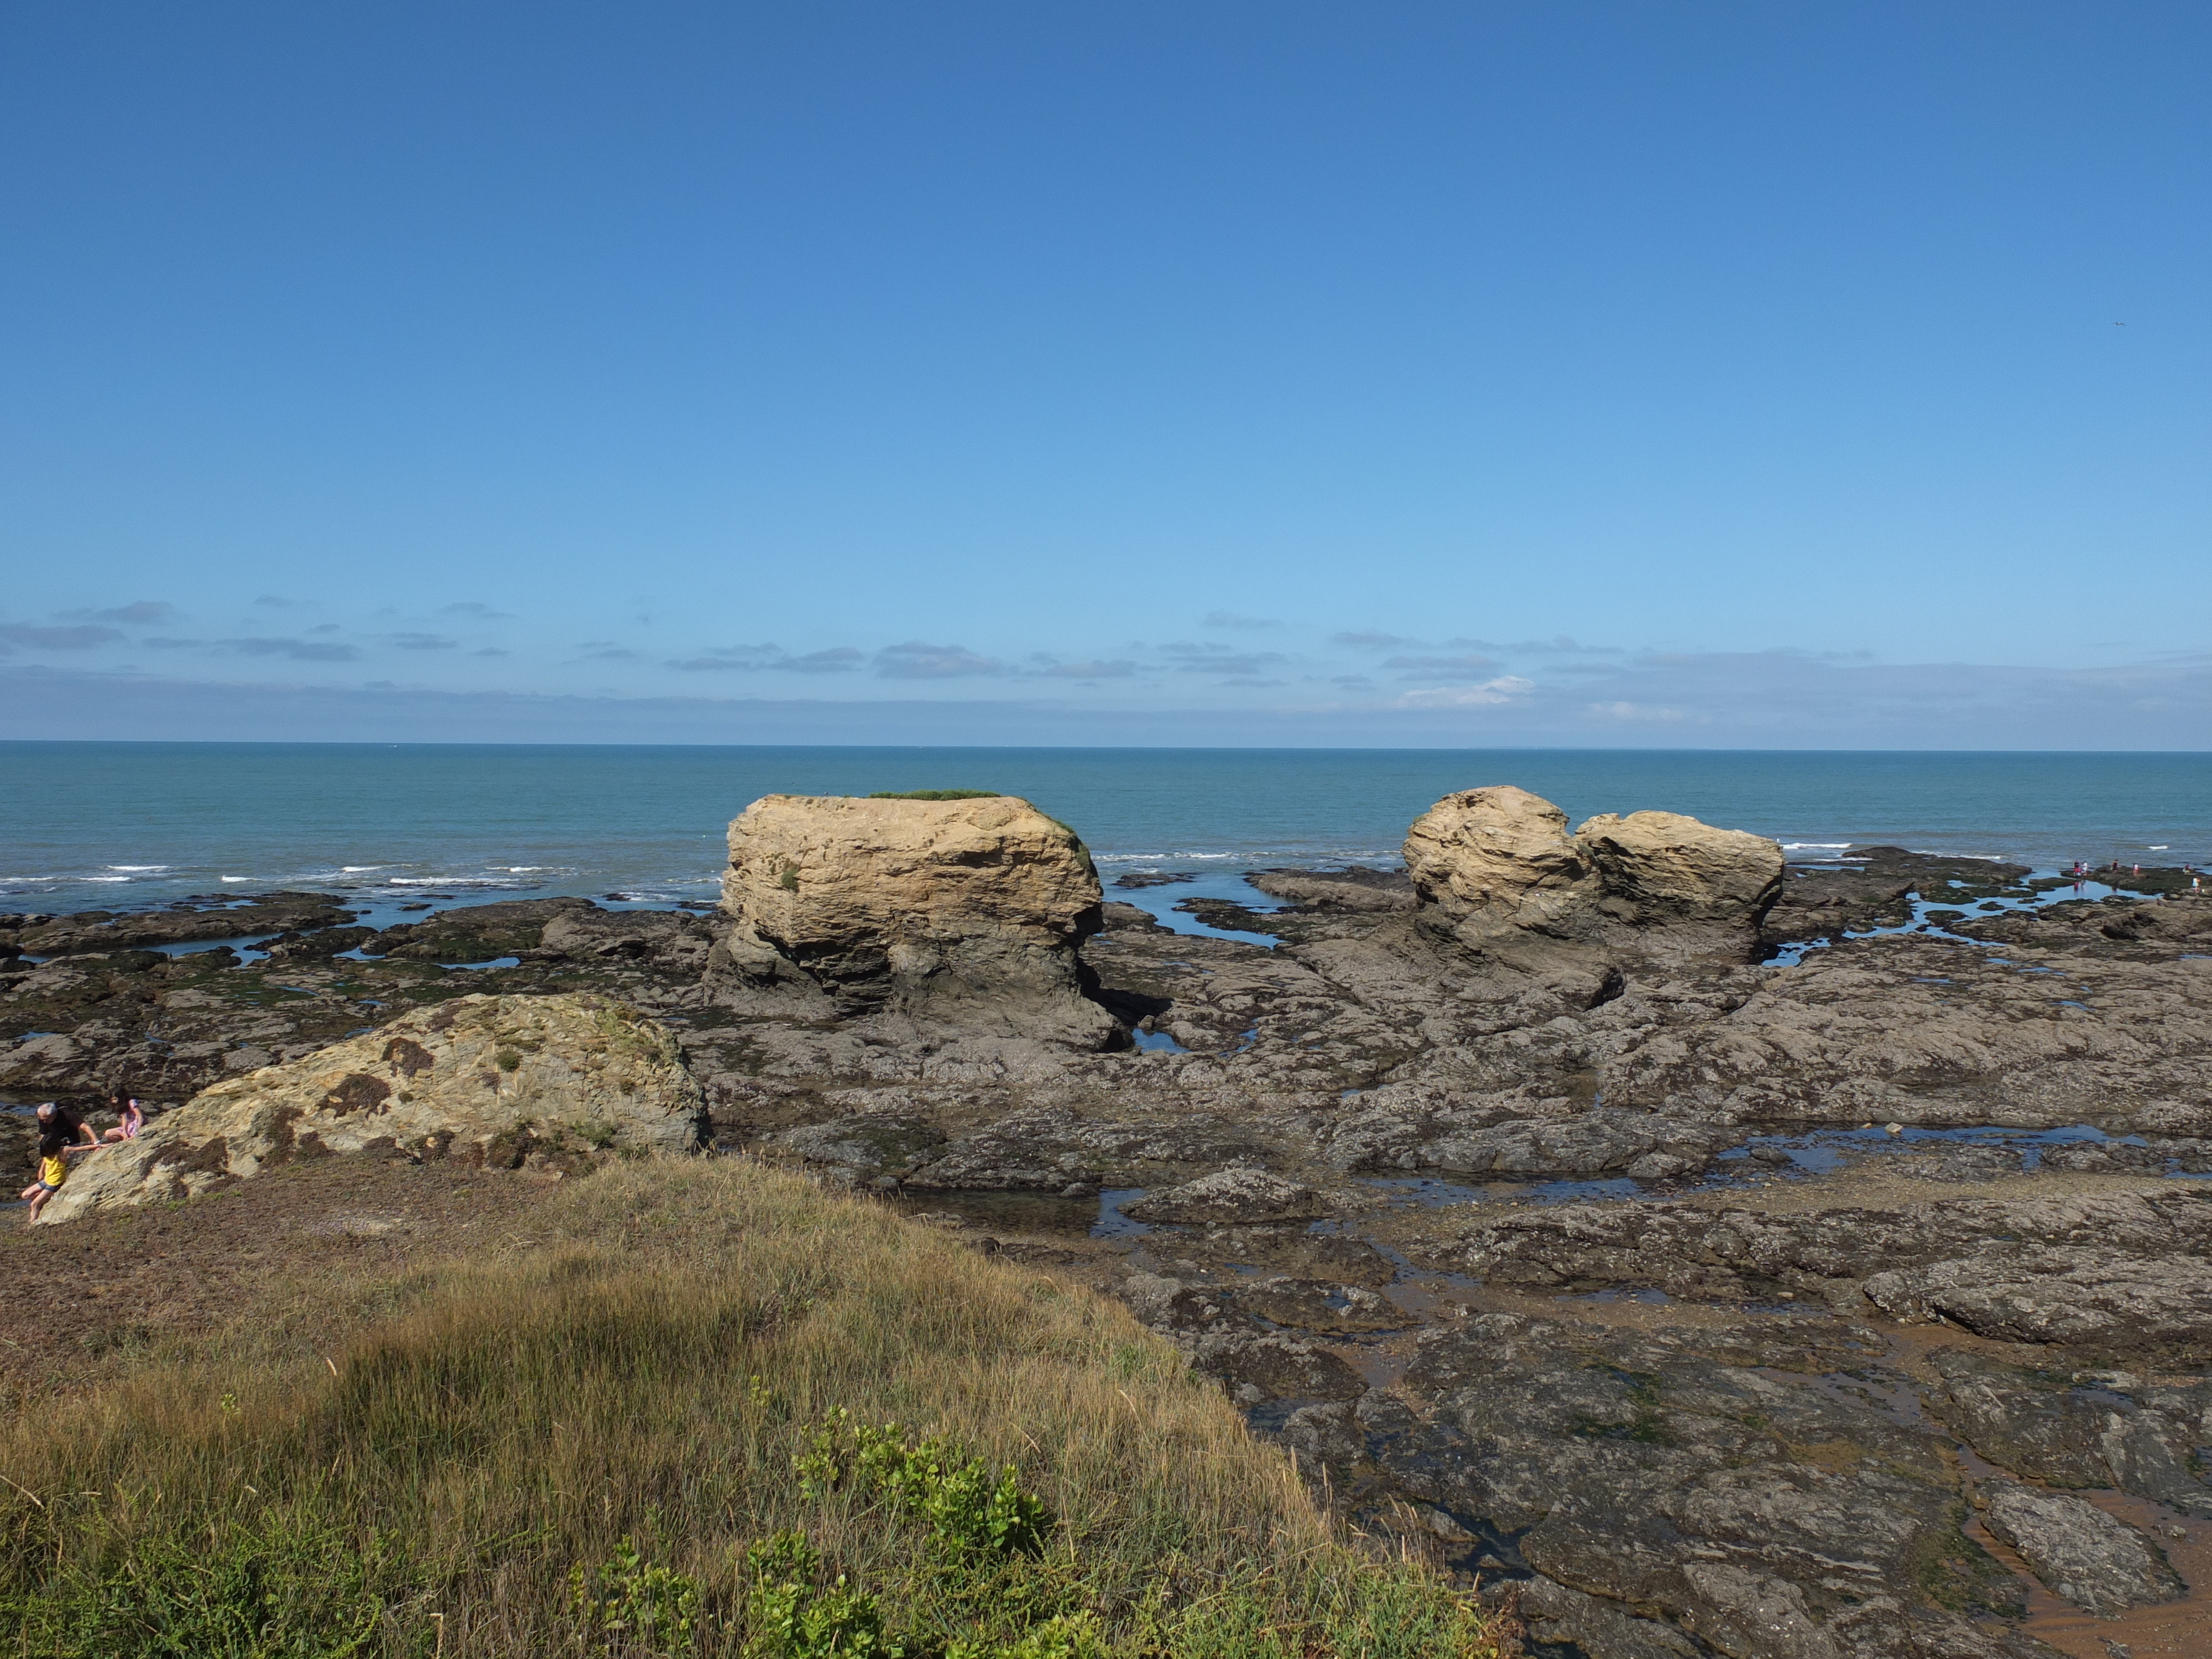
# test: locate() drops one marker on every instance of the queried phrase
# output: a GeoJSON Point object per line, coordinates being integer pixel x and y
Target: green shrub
{"type": "Point", "coordinates": [632, 1605]}
{"type": "Point", "coordinates": [790, 1614]}
{"type": "Point", "coordinates": [955, 1494]}
{"type": "Point", "coordinates": [935, 795]}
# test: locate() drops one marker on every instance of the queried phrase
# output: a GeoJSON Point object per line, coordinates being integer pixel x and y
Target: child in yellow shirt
{"type": "Point", "coordinates": [55, 1150]}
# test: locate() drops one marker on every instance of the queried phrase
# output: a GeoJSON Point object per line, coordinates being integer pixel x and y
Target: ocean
{"type": "Point", "coordinates": [115, 824]}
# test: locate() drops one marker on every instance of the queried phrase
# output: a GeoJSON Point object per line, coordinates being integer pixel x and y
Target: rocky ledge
{"type": "Point", "coordinates": [1707, 1295]}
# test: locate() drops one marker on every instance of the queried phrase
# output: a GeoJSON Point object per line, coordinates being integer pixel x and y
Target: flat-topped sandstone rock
{"type": "Point", "coordinates": [484, 1078]}
{"type": "Point", "coordinates": [965, 913]}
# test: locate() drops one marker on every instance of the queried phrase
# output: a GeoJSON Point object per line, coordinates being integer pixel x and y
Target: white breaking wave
{"type": "Point", "coordinates": [1156, 858]}
{"type": "Point", "coordinates": [496, 883]}
{"type": "Point", "coordinates": [140, 869]}
{"type": "Point", "coordinates": [1253, 856]}
{"type": "Point", "coordinates": [1809, 846]}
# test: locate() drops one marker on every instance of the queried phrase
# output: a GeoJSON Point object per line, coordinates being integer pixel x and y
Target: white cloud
{"type": "Point", "coordinates": [1635, 711]}
{"type": "Point", "coordinates": [1504, 688]}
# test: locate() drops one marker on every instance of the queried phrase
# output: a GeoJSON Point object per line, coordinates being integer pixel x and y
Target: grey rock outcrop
{"type": "Point", "coordinates": [2128, 1273]}
{"type": "Point", "coordinates": [1356, 890]}
{"type": "Point", "coordinates": [865, 1145]}
{"type": "Point", "coordinates": [487, 1079]}
{"type": "Point", "coordinates": [1228, 1196]}
{"type": "Point", "coordinates": [2086, 1295]}
{"type": "Point", "coordinates": [2084, 1429]}
{"type": "Point", "coordinates": [1496, 873]}
{"type": "Point", "coordinates": [1222, 1341]}
{"type": "Point", "coordinates": [101, 932]}
{"type": "Point", "coordinates": [1675, 1475]}
{"type": "Point", "coordinates": [1555, 1613]}
{"type": "Point", "coordinates": [2079, 1551]}
{"type": "Point", "coordinates": [1050, 1149]}
{"type": "Point", "coordinates": [1507, 1139]}
{"type": "Point", "coordinates": [477, 932]}
{"type": "Point", "coordinates": [960, 912]}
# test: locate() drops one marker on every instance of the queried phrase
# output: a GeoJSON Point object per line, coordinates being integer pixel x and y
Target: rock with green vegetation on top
{"type": "Point", "coordinates": [485, 1079]}
{"type": "Point", "coordinates": [965, 913]}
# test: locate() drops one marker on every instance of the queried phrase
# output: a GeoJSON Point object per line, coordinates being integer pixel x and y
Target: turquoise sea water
{"type": "Point", "coordinates": [109, 824]}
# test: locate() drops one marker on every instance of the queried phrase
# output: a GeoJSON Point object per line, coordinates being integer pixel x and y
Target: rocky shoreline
{"type": "Point", "coordinates": [1591, 1212]}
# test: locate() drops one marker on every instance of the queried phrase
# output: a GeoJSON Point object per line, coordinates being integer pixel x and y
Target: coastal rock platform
{"type": "Point", "coordinates": [1717, 1270]}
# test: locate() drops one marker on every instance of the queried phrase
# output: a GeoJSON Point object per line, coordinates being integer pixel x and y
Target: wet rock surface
{"type": "Point", "coordinates": [1355, 889]}
{"type": "Point", "coordinates": [2096, 1562]}
{"type": "Point", "coordinates": [187, 921]}
{"type": "Point", "coordinates": [1706, 1305]}
{"type": "Point", "coordinates": [1228, 1196]}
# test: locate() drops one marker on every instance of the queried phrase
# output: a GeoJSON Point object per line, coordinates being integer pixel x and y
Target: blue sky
{"type": "Point", "coordinates": [1634, 373]}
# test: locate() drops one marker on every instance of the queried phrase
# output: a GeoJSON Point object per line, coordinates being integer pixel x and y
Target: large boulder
{"type": "Point", "coordinates": [962, 913]}
{"type": "Point", "coordinates": [488, 1079]}
{"type": "Point", "coordinates": [1496, 872]}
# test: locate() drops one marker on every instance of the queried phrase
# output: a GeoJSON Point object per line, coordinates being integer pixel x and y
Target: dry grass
{"type": "Point", "coordinates": [647, 1371]}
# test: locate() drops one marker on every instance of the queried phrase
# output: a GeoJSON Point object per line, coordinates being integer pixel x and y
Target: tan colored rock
{"type": "Point", "coordinates": [1669, 868]}
{"type": "Point", "coordinates": [965, 912]}
{"type": "Point", "coordinates": [1498, 859]}
{"type": "Point", "coordinates": [1496, 871]}
{"type": "Point", "coordinates": [488, 1079]}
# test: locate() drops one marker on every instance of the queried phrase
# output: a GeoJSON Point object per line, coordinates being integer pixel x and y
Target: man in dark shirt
{"type": "Point", "coordinates": [59, 1120]}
